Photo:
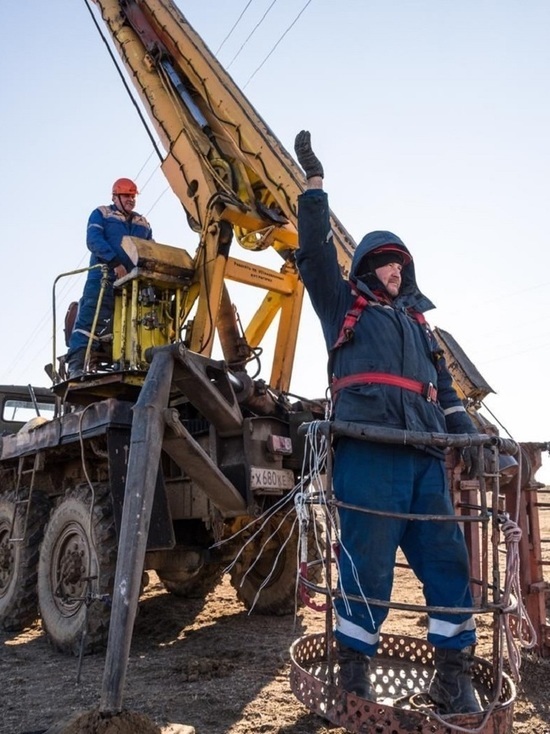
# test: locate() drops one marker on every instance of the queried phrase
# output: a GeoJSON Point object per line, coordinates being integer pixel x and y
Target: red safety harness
{"type": "Point", "coordinates": [427, 390]}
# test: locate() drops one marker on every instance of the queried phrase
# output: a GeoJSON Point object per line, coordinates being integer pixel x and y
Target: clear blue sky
{"type": "Point", "coordinates": [431, 118]}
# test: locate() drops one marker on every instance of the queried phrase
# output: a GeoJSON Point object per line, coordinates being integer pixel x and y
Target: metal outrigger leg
{"type": "Point", "coordinates": [403, 667]}
{"type": "Point", "coordinates": [145, 449]}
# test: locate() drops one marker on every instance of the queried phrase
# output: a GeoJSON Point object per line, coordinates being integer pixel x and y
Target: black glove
{"type": "Point", "coordinates": [306, 157]}
{"type": "Point", "coordinates": [489, 463]}
{"type": "Point", "coordinates": [470, 459]}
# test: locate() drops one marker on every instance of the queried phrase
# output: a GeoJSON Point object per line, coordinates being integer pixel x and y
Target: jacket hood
{"type": "Point", "coordinates": [410, 295]}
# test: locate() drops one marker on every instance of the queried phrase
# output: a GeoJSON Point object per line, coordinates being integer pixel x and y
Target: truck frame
{"type": "Point", "coordinates": [231, 452]}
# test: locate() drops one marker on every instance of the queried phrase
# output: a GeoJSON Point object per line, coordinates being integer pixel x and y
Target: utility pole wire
{"type": "Point", "coordinates": [252, 32]}
{"type": "Point", "coordinates": [234, 26]}
{"type": "Point", "coordinates": [278, 42]}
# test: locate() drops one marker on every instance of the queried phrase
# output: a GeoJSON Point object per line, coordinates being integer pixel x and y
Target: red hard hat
{"type": "Point", "coordinates": [125, 186]}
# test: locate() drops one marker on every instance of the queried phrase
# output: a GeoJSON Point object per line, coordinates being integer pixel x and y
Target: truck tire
{"type": "Point", "coordinates": [76, 571]}
{"type": "Point", "coordinates": [191, 586]}
{"type": "Point", "coordinates": [278, 596]}
{"type": "Point", "coordinates": [19, 561]}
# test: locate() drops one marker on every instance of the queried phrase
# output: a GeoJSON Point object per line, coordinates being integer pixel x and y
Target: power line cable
{"type": "Point", "coordinates": [278, 42]}
{"type": "Point", "coordinates": [489, 346]}
{"type": "Point", "coordinates": [138, 174]}
{"type": "Point", "coordinates": [234, 26]}
{"type": "Point", "coordinates": [124, 82]}
{"type": "Point", "coordinates": [252, 32]}
{"type": "Point", "coordinates": [65, 291]}
{"type": "Point", "coordinates": [501, 358]}
{"type": "Point", "coordinates": [157, 200]}
{"type": "Point", "coordinates": [149, 178]}
{"type": "Point", "coordinates": [506, 295]}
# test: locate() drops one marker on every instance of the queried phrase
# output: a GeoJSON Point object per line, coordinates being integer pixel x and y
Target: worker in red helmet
{"type": "Point", "coordinates": [107, 226]}
{"type": "Point", "coordinates": [125, 187]}
{"type": "Point", "coordinates": [388, 370]}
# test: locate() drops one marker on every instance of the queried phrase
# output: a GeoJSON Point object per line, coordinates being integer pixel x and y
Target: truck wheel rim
{"type": "Point", "coordinates": [70, 564]}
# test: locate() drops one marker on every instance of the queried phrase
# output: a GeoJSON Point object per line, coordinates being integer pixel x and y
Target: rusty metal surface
{"type": "Point", "coordinates": [89, 422]}
{"type": "Point", "coordinates": [401, 673]}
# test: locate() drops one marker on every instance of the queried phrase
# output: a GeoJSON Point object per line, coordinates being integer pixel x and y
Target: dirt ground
{"type": "Point", "coordinates": [210, 665]}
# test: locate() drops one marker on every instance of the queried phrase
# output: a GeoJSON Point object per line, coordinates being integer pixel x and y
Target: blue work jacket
{"type": "Point", "coordinates": [387, 338]}
{"type": "Point", "coordinates": [107, 226]}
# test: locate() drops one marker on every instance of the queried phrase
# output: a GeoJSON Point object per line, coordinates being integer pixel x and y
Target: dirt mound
{"type": "Point", "coordinates": [93, 722]}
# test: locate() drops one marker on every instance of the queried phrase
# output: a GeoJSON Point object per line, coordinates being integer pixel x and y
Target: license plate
{"type": "Point", "coordinates": [273, 480]}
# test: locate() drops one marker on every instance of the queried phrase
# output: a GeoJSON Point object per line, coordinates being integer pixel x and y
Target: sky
{"type": "Point", "coordinates": [431, 118]}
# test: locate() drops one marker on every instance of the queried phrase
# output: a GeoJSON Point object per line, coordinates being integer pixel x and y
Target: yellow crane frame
{"type": "Point", "coordinates": [231, 174]}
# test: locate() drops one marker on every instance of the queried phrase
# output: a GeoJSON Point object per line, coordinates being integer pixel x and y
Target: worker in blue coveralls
{"type": "Point", "coordinates": [107, 226]}
{"type": "Point", "coordinates": [388, 370]}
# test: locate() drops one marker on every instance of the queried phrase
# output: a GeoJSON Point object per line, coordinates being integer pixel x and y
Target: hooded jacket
{"type": "Point", "coordinates": [387, 337]}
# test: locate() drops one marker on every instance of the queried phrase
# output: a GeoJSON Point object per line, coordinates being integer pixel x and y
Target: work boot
{"type": "Point", "coordinates": [451, 686]}
{"type": "Point", "coordinates": [75, 364]}
{"type": "Point", "coordinates": [354, 672]}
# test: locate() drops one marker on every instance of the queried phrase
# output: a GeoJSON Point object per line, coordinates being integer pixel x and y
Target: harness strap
{"type": "Point", "coordinates": [427, 390]}
{"type": "Point", "coordinates": [350, 320]}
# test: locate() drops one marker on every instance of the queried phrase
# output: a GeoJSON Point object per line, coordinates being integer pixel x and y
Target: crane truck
{"type": "Point", "coordinates": [227, 450]}
{"type": "Point", "coordinates": [231, 451]}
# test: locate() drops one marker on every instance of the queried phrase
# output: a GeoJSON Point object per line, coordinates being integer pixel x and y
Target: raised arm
{"type": "Point", "coordinates": [313, 168]}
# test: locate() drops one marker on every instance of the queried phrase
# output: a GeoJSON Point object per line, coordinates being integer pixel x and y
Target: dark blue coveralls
{"type": "Point", "coordinates": [107, 226]}
{"type": "Point", "coordinates": [391, 478]}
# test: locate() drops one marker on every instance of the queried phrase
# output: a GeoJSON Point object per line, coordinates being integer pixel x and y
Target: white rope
{"type": "Point", "coordinates": [512, 601]}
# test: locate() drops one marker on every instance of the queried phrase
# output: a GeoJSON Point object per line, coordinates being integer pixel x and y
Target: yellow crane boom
{"type": "Point", "coordinates": [231, 174]}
